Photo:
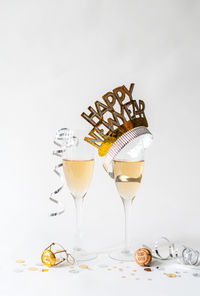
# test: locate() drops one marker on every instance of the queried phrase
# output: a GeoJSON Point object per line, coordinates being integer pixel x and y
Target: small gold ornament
{"type": "Point", "coordinates": [49, 256]}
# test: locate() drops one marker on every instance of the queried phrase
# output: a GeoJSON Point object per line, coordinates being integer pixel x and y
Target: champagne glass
{"type": "Point", "coordinates": [128, 168]}
{"type": "Point", "coordinates": [78, 164]}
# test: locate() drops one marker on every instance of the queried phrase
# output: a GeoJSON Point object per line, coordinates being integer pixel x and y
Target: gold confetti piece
{"type": "Point", "coordinates": [149, 279]}
{"type": "Point", "coordinates": [171, 275]}
{"type": "Point", "coordinates": [109, 268]}
{"type": "Point", "coordinates": [20, 261]}
{"type": "Point", "coordinates": [45, 269]}
{"type": "Point", "coordinates": [114, 266]}
{"type": "Point", "coordinates": [134, 270]}
{"type": "Point", "coordinates": [123, 276]}
{"type": "Point", "coordinates": [32, 268]}
{"type": "Point", "coordinates": [84, 266]}
{"type": "Point", "coordinates": [132, 274]}
{"type": "Point", "coordinates": [120, 269]}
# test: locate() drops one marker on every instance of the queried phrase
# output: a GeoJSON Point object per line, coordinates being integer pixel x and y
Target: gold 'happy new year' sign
{"type": "Point", "coordinates": [118, 114]}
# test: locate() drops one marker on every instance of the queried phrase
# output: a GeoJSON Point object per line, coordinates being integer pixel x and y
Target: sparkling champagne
{"type": "Point", "coordinates": [128, 175]}
{"type": "Point", "coordinates": [78, 174]}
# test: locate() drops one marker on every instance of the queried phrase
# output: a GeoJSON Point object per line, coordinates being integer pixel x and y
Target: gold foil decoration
{"type": "Point", "coordinates": [171, 275]}
{"type": "Point", "coordinates": [33, 268]}
{"type": "Point", "coordinates": [84, 266]}
{"type": "Point", "coordinates": [49, 258]}
{"type": "Point", "coordinates": [20, 261]}
{"type": "Point", "coordinates": [118, 114]}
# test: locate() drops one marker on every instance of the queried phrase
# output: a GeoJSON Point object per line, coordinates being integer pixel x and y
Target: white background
{"type": "Point", "coordinates": [56, 58]}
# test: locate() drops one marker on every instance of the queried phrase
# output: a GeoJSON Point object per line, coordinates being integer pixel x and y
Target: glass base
{"type": "Point", "coordinates": [82, 255]}
{"type": "Point", "coordinates": [122, 255]}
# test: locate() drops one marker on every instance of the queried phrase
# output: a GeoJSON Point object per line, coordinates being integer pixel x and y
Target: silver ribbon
{"type": "Point", "coordinates": [156, 253]}
{"type": "Point", "coordinates": [181, 254]}
{"type": "Point", "coordinates": [64, 139]}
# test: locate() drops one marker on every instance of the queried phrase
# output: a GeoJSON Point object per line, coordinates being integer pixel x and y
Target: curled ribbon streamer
{"type": "Point", "coordinates": [64, 139]}
{"type": "Point", "coordinates": [188, 256]}
{"type": "Point", "coordinates": [155, 252]}
{"type": "Point", "coordinates": [182, 254]}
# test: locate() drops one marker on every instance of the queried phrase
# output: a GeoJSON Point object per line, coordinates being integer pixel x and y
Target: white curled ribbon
{"type": "Point", "coordinates": [156, 252]}
{"type": "Point", "coordinates": [64, 139]}
{"type": "Point", "coordinates": [182, 254]}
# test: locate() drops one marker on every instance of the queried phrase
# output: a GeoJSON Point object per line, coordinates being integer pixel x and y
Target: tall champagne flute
{"type": "Point", "coordinates": [78, 164]}
{"type": "Point", "coordinates": [127, 170]}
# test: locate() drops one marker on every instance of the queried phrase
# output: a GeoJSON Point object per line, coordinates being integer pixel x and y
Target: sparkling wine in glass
{"type": "Point", "coordinates": [78, 164]}
{"type": "Point", "coordinates": [127, 172]}
{"type": "Point", "coordinates": [78, 174]}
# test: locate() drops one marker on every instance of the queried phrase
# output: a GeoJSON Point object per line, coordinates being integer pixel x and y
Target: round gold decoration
{"type": "Point", "coordinates": [52, 258]}
{"type": "Point", "coordinates": [48, 258]}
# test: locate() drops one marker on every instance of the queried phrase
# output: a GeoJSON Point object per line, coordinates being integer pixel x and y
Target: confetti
{"type": "Point", "coordinates": [147, 269]}
{"type": "Point", "coordinates": [18, 270]}
{"type": "Point", "coordinates": [103, 265]}
{"type": "Point", "coordinates": [32, 268]}
{"type": "Point", "coordinates": [73, 271]}
{"type": "Point", "coordinates": [39, 264]}
{"type": "Point", "coordinates": [20, 261]}
{"type": "Point", "coordinates": [45, 269]}
{"type": "Point", "coordinates": [109, 269]}
{"type": "Point", "coordinates": [84, 266]}
{"type": "Point", "coordinates": [114, 266]}
{"type": "Point", "coordinates": [134, 270]}
{"type": "Point", "coordinates": [132, 274]}
{"type": "Point", "coordinates": [120, 269]}
{"type": "Point", "coordinates": [196, 274]}
{"type": "Point", "coordinates": [149, 279]}
{"type": "Point", "coordinates": [171, 275]}
{"type": "Point", "coordinates": [123, 276]}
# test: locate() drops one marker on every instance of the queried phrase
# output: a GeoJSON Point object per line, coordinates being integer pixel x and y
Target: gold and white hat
{"type": "Point", "coordinates": [116, 122]}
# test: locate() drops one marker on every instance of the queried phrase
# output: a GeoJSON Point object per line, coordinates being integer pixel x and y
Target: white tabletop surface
{"type": "Point", "coordinates": [104, 276]}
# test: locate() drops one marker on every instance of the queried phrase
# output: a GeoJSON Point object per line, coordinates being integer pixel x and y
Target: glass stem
{"type": "Point", "coordinates": [78, 205]}
{"type": "Point", "coordinates": [127, 208]}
